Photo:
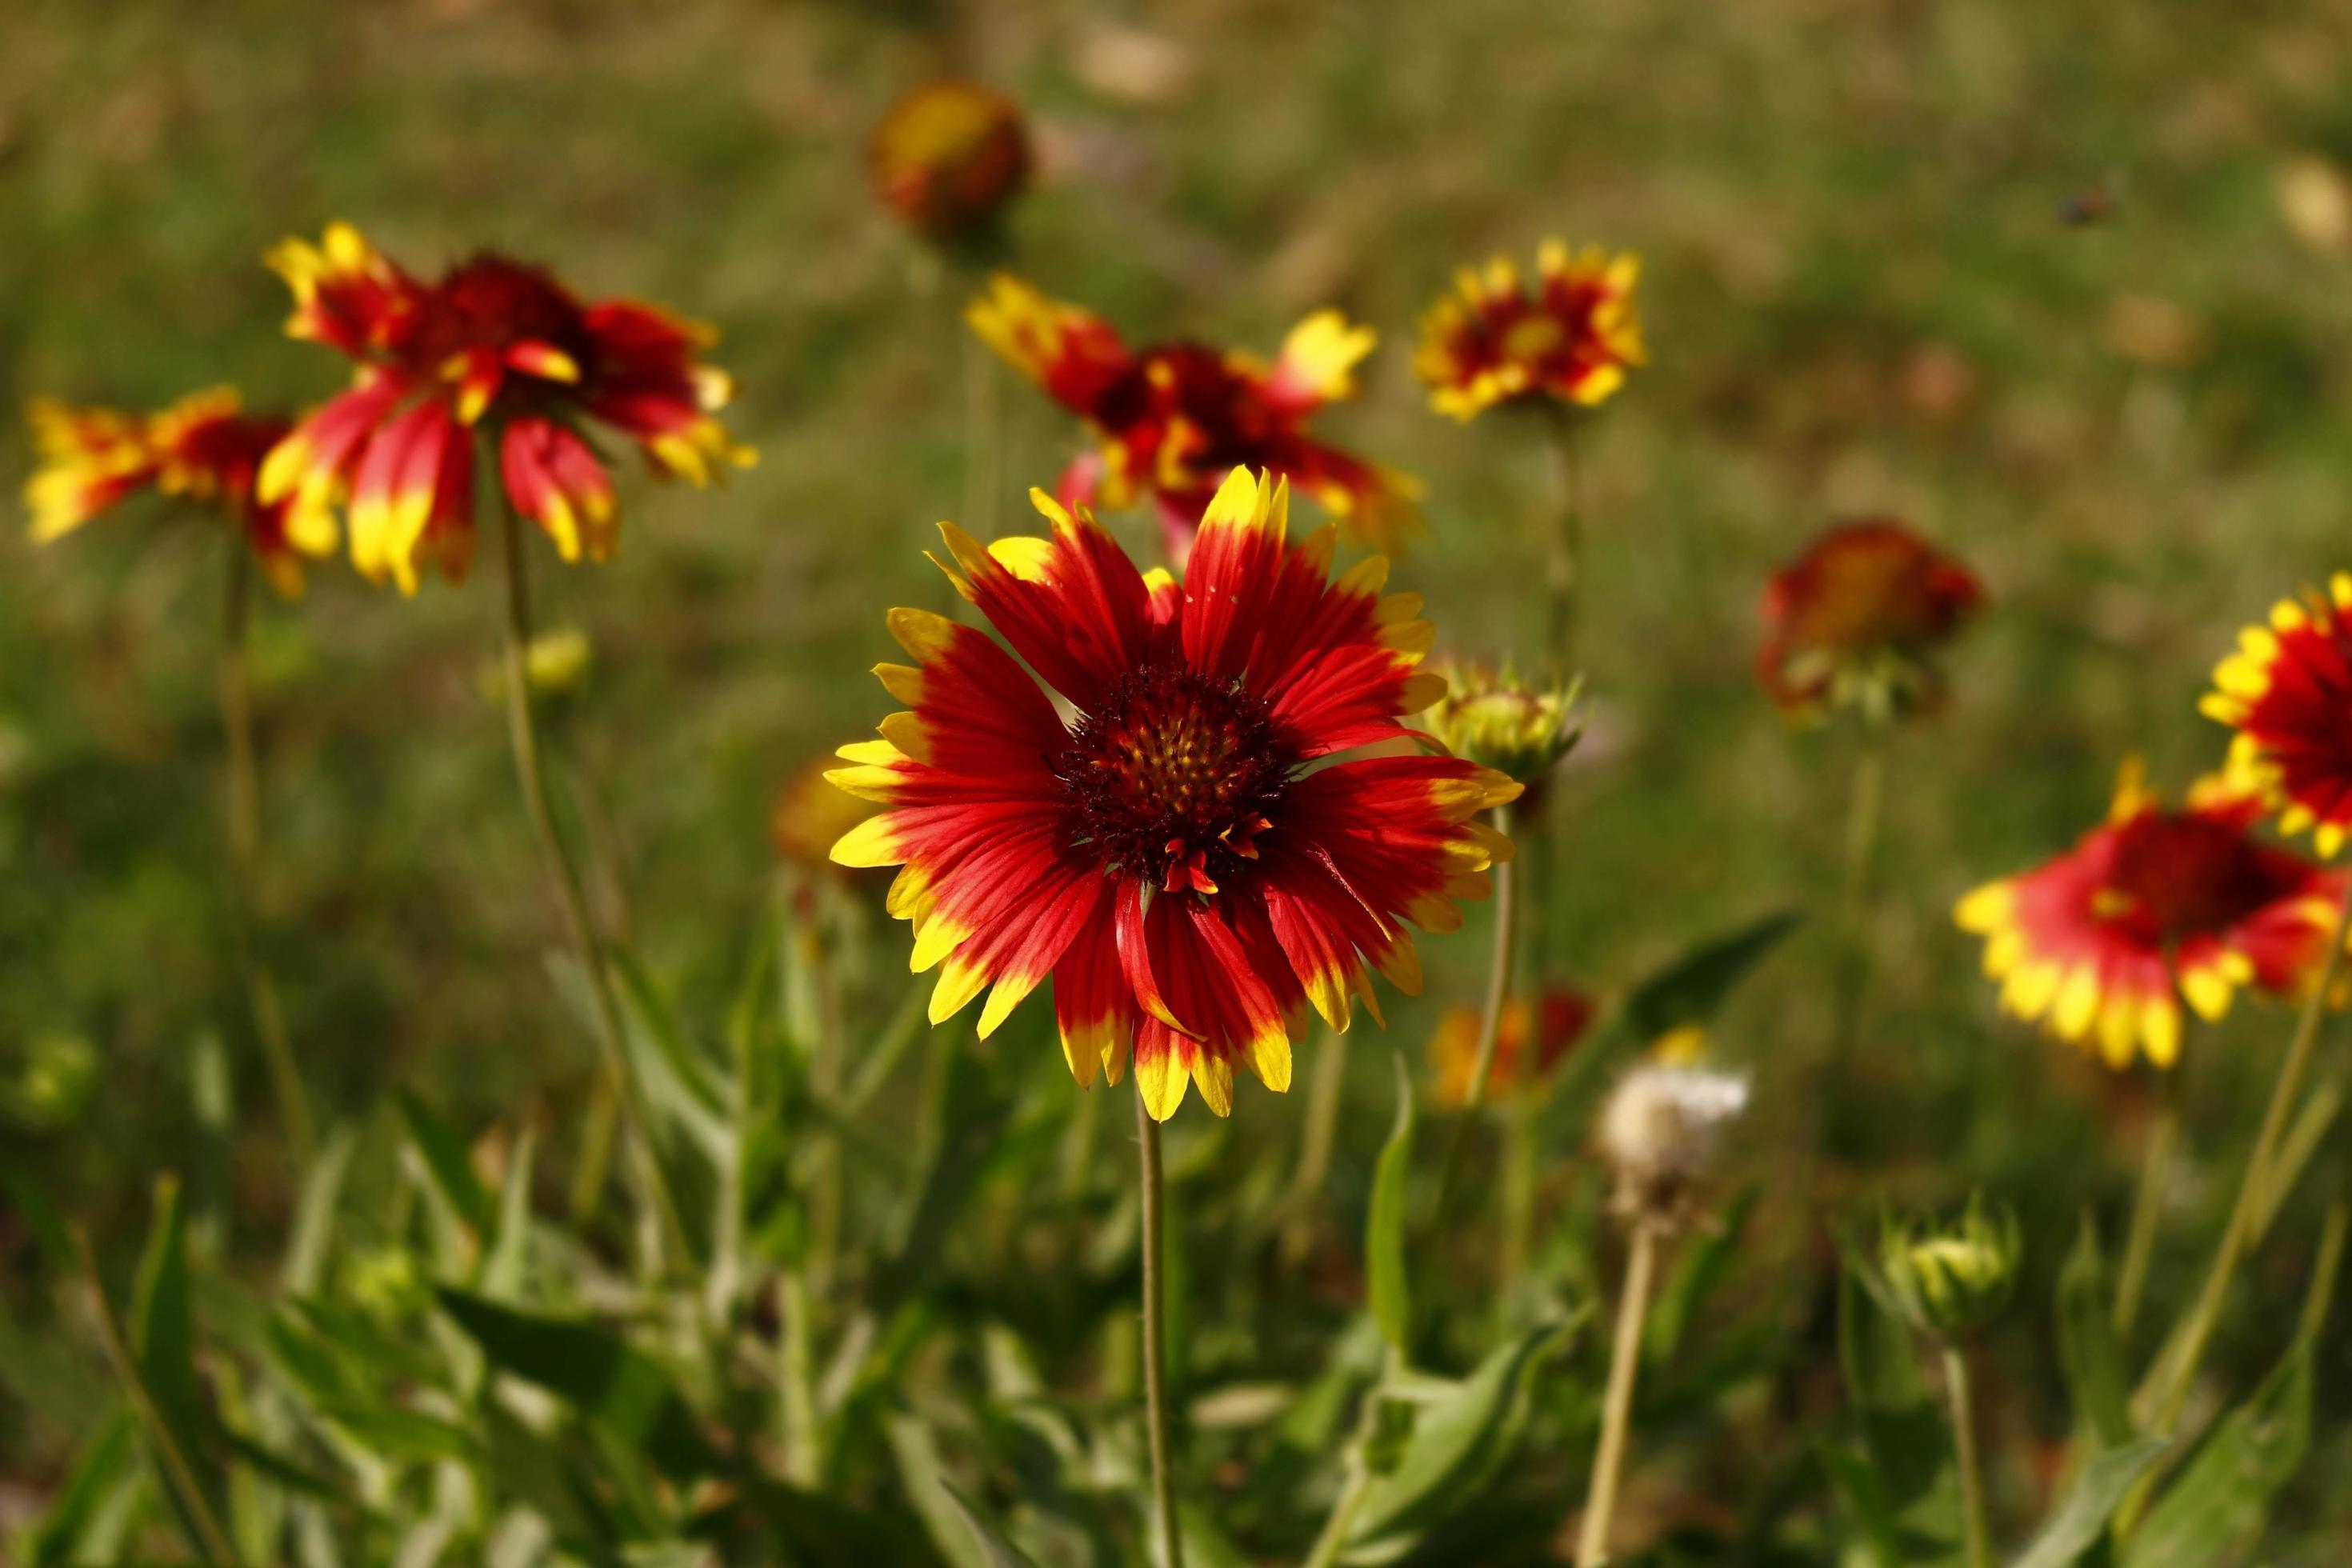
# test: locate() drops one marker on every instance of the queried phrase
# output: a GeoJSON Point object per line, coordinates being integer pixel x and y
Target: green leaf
{"type": "Point", "coordinates": [956, 1528]}
{"type": "Point", "coordinates": [1459, 1440]}
{"type": "Point", "coordinates": [2088, 1350]}
{"type": "Point", "coordinates": [2216, 1509]}
{"type": "Point", "coordinates": [1387, 1282]}
{"type": "Point", "coordinates": [1865, 1502]}
{"type": "Point", "coordinates": [995, 1552]}
{"type": "Point", "coordinates": [1695, 1275]}
{"type": "Point", "coordinates": [1906, 1438]}
{"type": "Point", "coordinates": [162, 1328]}
{"type": "Point", "coordinates": [621, 1388]}
{"type": "Point", "coordinates": [2080, 1523]}
{"type": "Point", "coordinates": [509, 1254]}
{"type": "Point", "coordinates": [313, 1230]}
{"type": "Point", "coordinates": [446, 1163]}
{"type": "Point", "coordinates": [105, 1463]}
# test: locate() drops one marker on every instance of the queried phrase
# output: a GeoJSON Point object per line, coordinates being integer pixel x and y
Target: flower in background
{"type": "Point", "coordinates": [1493, 719]}
{"type": "Point", "coordinates": [2154, 905]}
{"type": "Point", "coordinates": [811, 814]}
{"type": "Point", "coordinates": [1569, 339]}
{"type": "Point", "coordinates": [495, 345]}
{"type": "Point", "coordinates": [1182, 857]}
{"type": "Point", "coordinates": [2288, 692]}
{"type": "Point", "coordinates": [1557, 1020]}
{"type": "Point", "coordinates": [1854, 620]}
{"type": "Point", "coordinates": [1173, 419]}
{"type": "Point", "coordinates": [949, 158]}
{"type": "Point", "coordinates": [203, 447]}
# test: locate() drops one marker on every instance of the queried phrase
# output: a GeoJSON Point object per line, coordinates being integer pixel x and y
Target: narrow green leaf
{"type": "Point", "coordinates": [995, 1552]}
{"type": "Point", "coordinates": [2080, 1523]}
{"type": "Point", "coordinates": [2088, 1350]}
{"type": "Point", "coordinates": [1458, 1443]}
{"type": "Point", "coordinates": [1387, 1281]}
{"type": "Point", "coordinates": [313, 1231]}
{"type": "Point", "coordinates": [963, 1538]}
{"type": "Point", "coordinates": [446, 1163]}
{"type": "Point", "coordinates": [162, 1328]}
{"type": "Point", "coordinates": [104, 1462]}
{"type": "Point", "coordinates": [612, 1382]}
{"type": "Point", "coordinates": [509, 1254]}
{"type": "Point", "coordinates": [2215, 1512]}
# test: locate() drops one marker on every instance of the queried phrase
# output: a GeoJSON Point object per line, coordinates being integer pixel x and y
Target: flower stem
{"type": "Point", "coordinates": [2170, 1382]}
{"type": "Point", "coordinates": [2147, 1202]}
{"type": "Point", "coordinates": [243, 801]}
{"type": "Point", "coordinates": [1490, 1026]}
{"type": "Point", "coordinates": [1617, 1407]}
{"type": "Point", "coordinates": [1564, 558]}
{"type": "Point", "coordinates": [1865, 806]}
{"type": "Point", "coordinates": [522, 730]}
{"type": "Point", "coordinates": [1964, 1447]}
{"type": "Point", "coordinates": [1315, 1144]}
{"type": "Point", "coordinates": [203, 1525]}
{"type": "Point", "coordinates": [1155, 1339]}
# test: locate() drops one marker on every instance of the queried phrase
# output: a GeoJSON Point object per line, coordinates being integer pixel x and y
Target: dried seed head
{"type": "Point", "coordinates": [1660, 1130]}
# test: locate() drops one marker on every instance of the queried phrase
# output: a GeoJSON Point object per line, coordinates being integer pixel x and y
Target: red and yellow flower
{"type": "Point", "coordinates": [1184, 856]}
{"type": "Point", "coordinates": [1554, 1022]}
{"type": "Point", "coordinates": [496, 345]}
{"type": "Point", "coordinates": [1852, 620]}
{"type": "Point", "coordinates": [2287, 692]}
{"type": "Point", "coordinates": [949, 158]}
{"type": "Point", "coordinates": [203, 447]}
{"type": "Point", "coordinates": [2155, 905]}
{"type": "Point", "coordinates": [1571, 339]}
{"type": "Point", "coordinates": [1173, 419]}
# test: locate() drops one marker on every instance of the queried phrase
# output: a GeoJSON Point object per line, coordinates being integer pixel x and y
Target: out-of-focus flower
{"type": "Point", "coordinates": [2102, 941]}
{"type": "Point", "coordinates": [1556, 1021]}
{"type": "Point", "coordinates": [202, 448]}
{"type": "Point", "coordinates": [2288, 692]}
{"type": "Point", "coordinates": [1169, 856]}
{"type": "Point", "coordinates": [1173, 419]}
{"type": "Point", "coordinates": [1662, 1131]}
{"type": "Point", "coordinates": [1493, 719]}
{"type": "Point", "coordinates": [1571, 339]}
{"type": "Point", "coordinates": [811, 814]}
{"type": "Point", "coordinates": [49, 1088]}
{"type": "Point", "coordinates": [949, 158]}
{"type": "Point", "coordinates": [1852, 621]}
{"type": "Point", "coordinates": [2315, 199]}
{"type": "Point", "coordinates": [492, 344]}
{"type": "Point", "coordinates": [1952, 1278]}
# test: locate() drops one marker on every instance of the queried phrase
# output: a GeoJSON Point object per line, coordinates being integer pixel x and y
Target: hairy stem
{"type": "Point", "coordinates": [1964, 1447]}
{"type": "Point", "coordinates": [523, 732]}
{"type": "Point", "coordinates": [2147, 1202]}
{"type": "Point", "coordinates": [1617, 1407]}
{"type": "Point", "coordinates": [242, 803]}
{"type": "Point", "coordinates": [1155, 1339]}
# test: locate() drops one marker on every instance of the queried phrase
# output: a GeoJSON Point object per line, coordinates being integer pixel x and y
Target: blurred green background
{"type": "Point", "coordinates": [1863, 294]}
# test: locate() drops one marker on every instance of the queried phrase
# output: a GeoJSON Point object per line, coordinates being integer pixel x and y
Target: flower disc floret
{"type": "Point", "coordinates": [1194, 857]}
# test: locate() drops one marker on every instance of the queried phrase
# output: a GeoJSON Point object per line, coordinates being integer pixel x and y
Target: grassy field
{"type": "Point", "coordinates": [1863, 294]}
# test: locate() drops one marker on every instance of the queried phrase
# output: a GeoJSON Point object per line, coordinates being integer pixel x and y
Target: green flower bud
{"type": "Point", "coordinates": [1951, 1279]}
{"type": "Point", "coordinates": [1492, 718]}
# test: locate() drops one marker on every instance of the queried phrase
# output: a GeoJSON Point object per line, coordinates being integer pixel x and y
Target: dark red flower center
{"type": "Point", "coordinates": [1173, 776]}
{"type": "Point", "coordinates": [1230, 423]}
{"type": "Point", "coordinates": [491, 302]}
{"type": "Point", "coordinates": [2184, 875]}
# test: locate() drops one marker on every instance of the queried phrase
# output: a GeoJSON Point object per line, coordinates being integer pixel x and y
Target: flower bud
{"type": "Point", "coordinates": [950, 157]}
{"type": "Point", "coordinates": [1661, 1132]}
{"type": "Point", "coordinates": [1493, 719]}
{"type": "Point", "coordinates": [1951, 1279]}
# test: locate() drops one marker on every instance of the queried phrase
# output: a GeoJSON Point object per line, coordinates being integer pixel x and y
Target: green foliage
{"type": "Point", "coordinates": [1388, 1284]}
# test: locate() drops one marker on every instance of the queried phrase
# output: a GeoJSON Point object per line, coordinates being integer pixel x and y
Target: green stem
{"type": "Point", "coordinates": [241, 779]}
{"type": "Point", "coordinates": [2171, 1382]}
{"type": "Point", "coordinates": [1564, 555]}
{"type": "Point", "coordinates": [523, 732]}
{"type": "Point", "coordinates": [1315, 1144]}
{"type": "Point", "coordinates": [2147, 1202]}
{"type": "Point", "coordinates": [1155, 1339]}
{"type": "Point", "coordinates": [1617, 1407]}
{"type": "Point", "coordinates": [1964, 1447]}
{"type": "Point", "coordinates": [204, 1531]}
{"type": "Point", "coordinates": [1865, 806]}
{"type": "Point", "coordinates": [1490, 1026]}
